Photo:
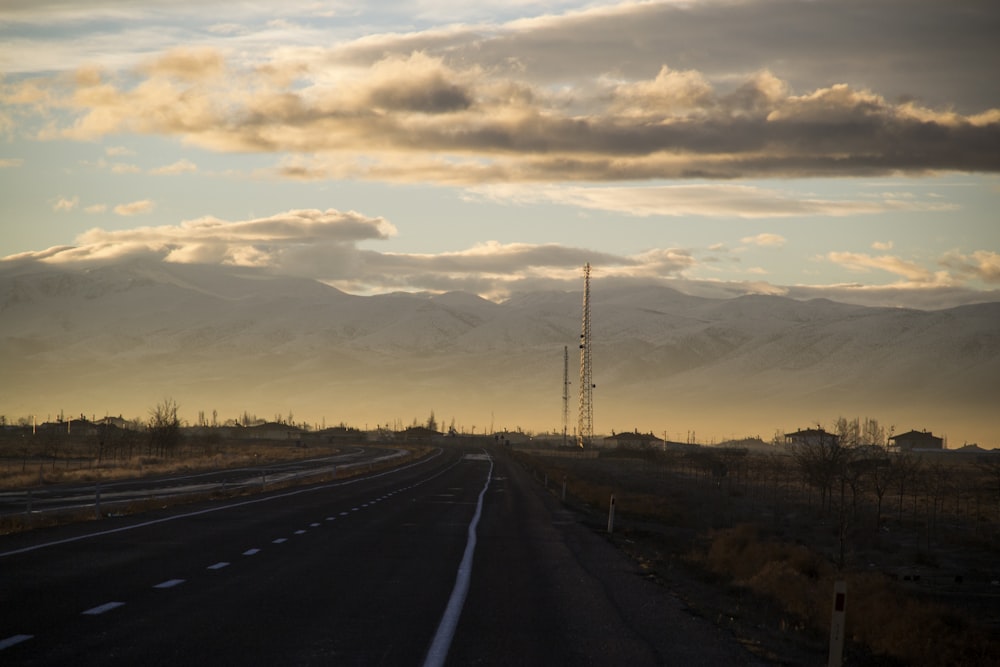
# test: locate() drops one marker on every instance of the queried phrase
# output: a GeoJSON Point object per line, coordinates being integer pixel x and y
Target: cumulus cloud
{"type": "Point", "coordinates": [135, 208]}
{"type": "Point", "coordinates": [983, 265]}
{"type": "Point", "coordinates": [456, 120]}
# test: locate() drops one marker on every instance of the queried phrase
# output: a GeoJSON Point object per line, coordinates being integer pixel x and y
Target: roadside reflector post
{"type": "Point", "coordinates": [611, 516]}
{"type": "Point", "coordinates": [97, 501]}
{"type": "Point", "coordinates": [837, 624]}
{"type": "Point", "coordinates": [28, 512]}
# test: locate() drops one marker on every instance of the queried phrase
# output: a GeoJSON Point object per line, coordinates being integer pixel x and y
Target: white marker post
{"type": "Point", "coordinates": [837, 624]}
{"type": "Point", "coordinates": [611, 516]}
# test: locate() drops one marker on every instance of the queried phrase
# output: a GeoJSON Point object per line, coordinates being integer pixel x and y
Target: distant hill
{"type": "Point", "coordinates": [120, 338]}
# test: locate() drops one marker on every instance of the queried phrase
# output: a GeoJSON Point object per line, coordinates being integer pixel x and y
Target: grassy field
{"type": "Point", "coordinates": [755, 550]}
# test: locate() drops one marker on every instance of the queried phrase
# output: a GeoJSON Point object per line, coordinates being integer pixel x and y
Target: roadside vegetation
{"type": "Point", "coordinates": [754, 539]}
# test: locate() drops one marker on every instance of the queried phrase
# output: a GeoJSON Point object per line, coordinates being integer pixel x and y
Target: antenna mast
{"type": "Point", "coordinates": [586, 427]}
{"type": "Point", "coordinates": [565, 396]}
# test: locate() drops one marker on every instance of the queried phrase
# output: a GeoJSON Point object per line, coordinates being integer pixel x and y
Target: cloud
{"type": "Point", "coordinates": [10, 163]}
{"type": "Point", "coordinates": [765, 240]}
{"type": "Point", "coordinates": [96, 208]}
{"type": "Point", "coordinates": [343, 112]}
{"type": "Point", "coordinates": [882, 245]}
{"type": "Point", "coordinates": [66, 203]}
{"type": "Point", "coordinates": [124, 168]}
{"type": "Point", "coordinates": [135, 208]}
{"type": "Point", "coordinates": [715, 200]}
{"type": "Point", "coordinates": [910, 271]}
{"type": "Point", "coordinates": [983, 265]}
{"type": "Point", "coordinates": [183, 166]}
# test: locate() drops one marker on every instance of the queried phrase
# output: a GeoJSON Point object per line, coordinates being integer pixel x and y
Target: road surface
{"type": "Point", "coordinates": [460, 559]}
{"type": "Point", "coordinates": [112, 494]}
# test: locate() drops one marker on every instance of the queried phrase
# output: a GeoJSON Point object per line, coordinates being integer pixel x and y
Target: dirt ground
{"type": "Point", "coordinates": [668, 520]}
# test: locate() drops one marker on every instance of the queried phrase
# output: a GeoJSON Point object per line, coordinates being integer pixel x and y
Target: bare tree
{"type": "Point", "coordinates": [821, 463]}
{"type": "Point", "coordinates": [164, 427]}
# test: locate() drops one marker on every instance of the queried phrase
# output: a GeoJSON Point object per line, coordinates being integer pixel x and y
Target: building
{"type": "Point", "coordinates": [911, 440]}
{"type": "Point", "coordinates": [810, 436]}
{"type": "Point", "coordinates": [634, 440]}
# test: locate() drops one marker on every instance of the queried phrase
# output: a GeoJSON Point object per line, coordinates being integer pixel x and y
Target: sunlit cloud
{"type": "Point", "coordinates": [96, 208]}
{"type": "Point", "coordinates": [910, 271]}
{"type": "Point", "coordinates": [766, 240]}
{"type": "Point", "coordinates": [180, 167]}
{"type": "Point", "coordinates": [135, 208]}
{"type": "Point", "coordinates": [981, 265]}
{"type": "Point", "coordinates": [882, 245]}
{"type": "Point", "coordinates": [10, 163]}
{"type": "Point", "coordinates": [740, 201]}
{"type": "Point", "coordinates": [359, 121]}
{"type": "Point", "coordinates": [65, 203]}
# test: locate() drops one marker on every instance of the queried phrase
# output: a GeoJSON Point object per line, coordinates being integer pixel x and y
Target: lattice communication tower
{"type": "Point", "coordinates": [565, 394]}
{"type": "Point", "coordinates": [585, 430]}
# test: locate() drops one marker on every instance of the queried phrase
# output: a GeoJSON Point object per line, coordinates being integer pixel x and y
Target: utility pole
{"type": "Point", "coordinates": [586, 426]}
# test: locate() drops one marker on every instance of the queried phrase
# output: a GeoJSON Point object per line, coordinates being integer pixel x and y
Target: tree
{"type": "Point", "coordinates": [431, 422]}
{"type": "Point", "coordinates": [164, 427]}
{"type": "Point", "coordinates": [821, 463]}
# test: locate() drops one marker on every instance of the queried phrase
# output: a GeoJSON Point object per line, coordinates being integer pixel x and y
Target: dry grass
{"type": "Point", "coordinates": [235, 456]}
{"type": "Point", "coordinates": [887, 623]}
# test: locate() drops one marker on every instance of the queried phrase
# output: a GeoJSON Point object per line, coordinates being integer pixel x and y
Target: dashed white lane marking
{"type": "Point", "coordinates": [344, 513]}
{"type": "Point", "coordinates": [300, 532]}
{"type": "Point", "coordinates": [314, 525]}
{"type": "Point", "coordinates": [13, 640]}
{"type": "Point", "coordinates": [280, 540]}
{"type": "Point", "coordinates": [169, 583]}
{"type": "Point", "coordinates": [355, 509]}
{"type": "Point", "coordinates": [218, 566]}
{"type": "Point", "coordinates": [100, 609]}
{"type": "Point", "coordinates": [331, 518]}
{"type": "Point", "coordinates": [251, 552]}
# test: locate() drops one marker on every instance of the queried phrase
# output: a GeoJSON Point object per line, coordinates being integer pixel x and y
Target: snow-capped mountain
{"type": "Point", "coordinates": [118, 339]}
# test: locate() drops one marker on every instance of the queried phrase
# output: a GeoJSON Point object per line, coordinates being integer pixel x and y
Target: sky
{"type": "Point", "coordinates": [844, 149]}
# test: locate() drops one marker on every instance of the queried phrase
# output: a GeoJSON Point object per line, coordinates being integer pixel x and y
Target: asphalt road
{"type": "Point", "coordinates": [109, 495]}
{"type": "Point", "coordinates": [462, 559]}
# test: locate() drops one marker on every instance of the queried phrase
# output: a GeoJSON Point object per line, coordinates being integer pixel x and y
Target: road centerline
{"type": "Point", "coordinates": [438, 652]}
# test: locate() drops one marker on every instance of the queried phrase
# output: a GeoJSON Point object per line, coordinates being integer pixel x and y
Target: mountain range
{"type": "Point", "coordinates": [119, 338]}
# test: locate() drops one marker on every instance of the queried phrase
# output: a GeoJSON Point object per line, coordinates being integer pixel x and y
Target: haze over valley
{"type": "Point", "coordinates": [116, 339]}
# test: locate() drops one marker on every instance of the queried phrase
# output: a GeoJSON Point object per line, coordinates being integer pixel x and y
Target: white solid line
{"type": "Point", "coordinates": [251, 552]}
{"type": "Point", "coordinates": [169, 583]}
{"type": "Point", "coordinates": [100, 609]}
{"type": "Point", "coordinates": [13, 640]}
{"type": "Point", "coordinates": [279, 540]}
{"type": "Point", "coordinates": [438, 652]}
{"type": "Point", "coordinates": [218, 566]}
